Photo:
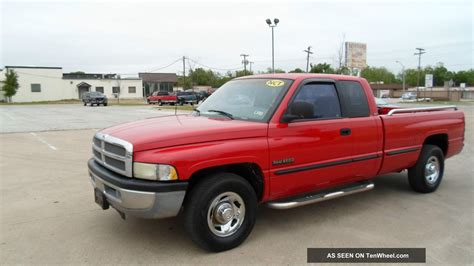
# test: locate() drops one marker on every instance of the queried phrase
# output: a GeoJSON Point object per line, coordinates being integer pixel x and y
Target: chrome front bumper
{"type": "Point", "coordinates": [165, 201]}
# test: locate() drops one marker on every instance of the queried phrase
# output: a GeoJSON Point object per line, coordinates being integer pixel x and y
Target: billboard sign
{"type": "Point", "coordinates": [429, 81]}
{"type": "Point", "coordinates": [356, 55]}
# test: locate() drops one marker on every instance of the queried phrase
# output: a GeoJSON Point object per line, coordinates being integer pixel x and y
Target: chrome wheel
{"type": "Point", "coordinates": [432, 170]}
{"type": "Point", "coordinates": [226, 214]}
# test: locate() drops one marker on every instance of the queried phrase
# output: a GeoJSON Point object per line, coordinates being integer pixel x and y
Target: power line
{"type": "Point", "coordinates": [214, 68]}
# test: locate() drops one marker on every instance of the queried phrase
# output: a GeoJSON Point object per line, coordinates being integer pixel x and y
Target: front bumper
{"type": "Point", "coordinates": [139, 198]}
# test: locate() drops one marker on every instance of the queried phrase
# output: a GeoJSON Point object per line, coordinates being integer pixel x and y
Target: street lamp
{"type": "Point", "coordinates": [403, 75]}
{"type": "Point", "coordinates": [273, 25]}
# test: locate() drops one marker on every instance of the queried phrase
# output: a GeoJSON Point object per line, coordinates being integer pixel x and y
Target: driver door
{"type": "Point", "coordinates": [312, 151]}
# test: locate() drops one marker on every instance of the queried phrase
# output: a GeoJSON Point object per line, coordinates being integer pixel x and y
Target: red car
{"type": "Point", "coordinates": [283, 140]}
{"type": "Point", "coordinates": [162, 97]}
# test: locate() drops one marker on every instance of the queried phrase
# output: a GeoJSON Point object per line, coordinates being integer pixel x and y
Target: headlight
{"type": "Point", "coordinates": [161, 172]}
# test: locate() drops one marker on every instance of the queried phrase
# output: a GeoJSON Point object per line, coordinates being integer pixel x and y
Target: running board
{"type": "Point", "coordinates": [321, 196]}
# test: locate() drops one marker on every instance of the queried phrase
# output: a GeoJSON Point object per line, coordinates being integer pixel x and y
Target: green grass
{"type": "Point", "coordinates": [178, 107]}
{"type": "Point", "coordinates": [70, 101]}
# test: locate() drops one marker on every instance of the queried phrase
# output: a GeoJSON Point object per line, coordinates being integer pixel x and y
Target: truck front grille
{"type": "Point", "coordinates": [113, 153]}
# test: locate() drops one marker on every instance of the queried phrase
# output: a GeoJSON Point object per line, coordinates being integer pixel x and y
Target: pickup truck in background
{"type": "Point", "coordinates": [282, 140]}
{"type": "Point", "coordinates": [187, 97]}
{"type": "Point", "coordinates": [162, 97]}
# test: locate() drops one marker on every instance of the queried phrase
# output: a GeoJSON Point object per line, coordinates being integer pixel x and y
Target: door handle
{"type": "Point", "coordinates": [345, 131]}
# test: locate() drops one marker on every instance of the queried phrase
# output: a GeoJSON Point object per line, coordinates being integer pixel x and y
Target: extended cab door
{"type": "Point", "coordinates": [313, 151]}
{"type": "Point", "coordinates": [359, 108]}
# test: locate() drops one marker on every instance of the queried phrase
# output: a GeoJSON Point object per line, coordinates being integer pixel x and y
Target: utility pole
{"type": "Point", "coordinates": [245, 62]}
{"type": "Point", "coordinates": [403, 76]}
{"type": "Point", "coordinates": [419, 53]}
{"type": "Point", "coordinates": [184, 72]}
{"type": "Point", "coordinates": [250, 63]}
{"type": "Point", "coordinates": [308, 52]}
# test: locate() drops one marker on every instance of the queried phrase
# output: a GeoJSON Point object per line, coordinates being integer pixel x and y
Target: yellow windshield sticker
{"type": "Point", "coordinates": [275, 83]}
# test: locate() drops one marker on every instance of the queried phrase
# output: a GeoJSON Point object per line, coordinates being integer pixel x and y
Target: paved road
{"type": "Point", "coordinates": [34, 118]}
{"type": "Point", "coordinates": [48, 214]}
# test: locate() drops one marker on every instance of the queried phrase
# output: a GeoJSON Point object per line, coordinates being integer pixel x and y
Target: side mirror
{"type": "Point", "coordinates": [287, 118]}
{"type": "Point", "coordinates": [298, 110]}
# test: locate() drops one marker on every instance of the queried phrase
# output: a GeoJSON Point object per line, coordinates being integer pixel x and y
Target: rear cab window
{"type": "Point", "coordinates": [353, 99]}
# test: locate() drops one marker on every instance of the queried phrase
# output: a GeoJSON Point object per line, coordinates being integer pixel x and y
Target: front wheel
{"type": "Point", "coordinates": [220, 212]}
{"type": "Point", "coordinates": [428, 171]}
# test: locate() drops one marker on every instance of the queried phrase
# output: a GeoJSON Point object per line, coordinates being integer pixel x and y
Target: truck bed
{"type": "Point", "coordinates": [405, 134]}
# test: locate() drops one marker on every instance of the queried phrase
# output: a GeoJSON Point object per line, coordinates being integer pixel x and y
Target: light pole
{"type": "Point", "coordinates": [273, 25]}
{"type": "Point", "coordinates": [419, 53]}
{"type": "Point", "coordinates": [403, 75]}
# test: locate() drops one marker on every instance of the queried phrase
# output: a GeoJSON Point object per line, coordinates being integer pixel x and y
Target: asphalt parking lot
{"type": "Point", "coordinates": [48, 215]}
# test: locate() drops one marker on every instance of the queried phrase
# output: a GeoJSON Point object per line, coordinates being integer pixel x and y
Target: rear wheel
{"type": "Point", "coordinates": [220, 212]}
{"type": "Point", "coordinates": [426, 175]}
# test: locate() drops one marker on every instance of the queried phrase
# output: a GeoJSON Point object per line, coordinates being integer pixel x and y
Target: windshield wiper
{"type": "Point", "coordinates": [222, 113]}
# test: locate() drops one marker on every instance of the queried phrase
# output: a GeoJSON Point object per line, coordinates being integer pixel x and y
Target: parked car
{"type": "Point", "coordinates": [186, 97]}
{"type": "Point", "coordinates": [201, 95]}
{"type": "Point", "coordinates": [162, 97]}
{"type": "Point", "coordinates": [384, 107]}
{"type": "Point", "coordinates": [94, 97]}
{"type": "Point", "coordinates": [409, 96]}
{"type": "Point", "coordinates": [283, 140]}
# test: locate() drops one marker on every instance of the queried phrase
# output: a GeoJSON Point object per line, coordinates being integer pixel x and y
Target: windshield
{"type": "Point", "coordinates": [246, 99]}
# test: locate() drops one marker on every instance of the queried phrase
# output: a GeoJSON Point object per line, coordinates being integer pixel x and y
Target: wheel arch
{"type": "Point", "coordinates": [251, 172]}
{"type": "Point", "coordinates": [440, 140]}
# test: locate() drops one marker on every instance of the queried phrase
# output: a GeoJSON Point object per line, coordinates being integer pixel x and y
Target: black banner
{"type": "Point", "coordinates": [367, 255]}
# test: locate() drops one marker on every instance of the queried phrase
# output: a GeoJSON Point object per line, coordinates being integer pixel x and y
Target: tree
{"type": "Point", "coordinates": [270, 71]}
{"type": "Point", "coordinates": [10, 85]}
{"type": "Point", "coordinates": [241, 73]}
{"type": "Point", "coordinates": [322, 68]}
{"type": "Point", "coordinates": [464, 76]}
{"type": "Point", "coordinates": [378, 74]}
{"type": "Point", "coordinates": [184, 83]}
{"type": "Point", "coordinates": [440, 74]}
{"type": "Point", "coordinates": [200, 76]}
{"type": "Point", "coordinates": [296, 70]}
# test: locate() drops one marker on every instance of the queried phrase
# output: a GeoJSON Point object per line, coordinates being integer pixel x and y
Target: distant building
{"type": "Point", "coordinates": [50, 84]}
{"type": "Point", "coordinates": [157, 82]}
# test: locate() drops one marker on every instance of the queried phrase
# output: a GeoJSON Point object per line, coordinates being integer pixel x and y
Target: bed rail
{"type": "Point", "coordinates": [421, 109]}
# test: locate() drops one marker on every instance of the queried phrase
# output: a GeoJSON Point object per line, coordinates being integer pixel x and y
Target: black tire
{"type": "Point", "coordinates": [85, 104]}
{"type": "Point", "coordinates": [160, 103]}
{"type": "Point", "coordinates": [197, 207]}
{"type": "Point", "coordinates": [421, 181]}
{"type": "Point", "coordinates": [148, 102]}
{"type": "Point", "coordinates": [105, 104]}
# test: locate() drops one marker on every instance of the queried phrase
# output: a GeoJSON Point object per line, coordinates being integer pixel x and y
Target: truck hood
{"type": "Point", "coordinates": [167, 131]}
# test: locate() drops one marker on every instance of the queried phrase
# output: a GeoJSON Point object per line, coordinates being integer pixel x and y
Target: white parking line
{"type": "Point", "coordinates": [9, 116]}
{"type": "Point", "coordinates": [44, 141]}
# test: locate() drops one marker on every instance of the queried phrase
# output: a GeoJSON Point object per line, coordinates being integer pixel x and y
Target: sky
{"type": "Point", "coordinates": [128, 37]}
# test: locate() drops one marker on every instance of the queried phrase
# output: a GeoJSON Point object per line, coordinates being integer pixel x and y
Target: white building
{"type": "Point", "coordinates": [50, 84]}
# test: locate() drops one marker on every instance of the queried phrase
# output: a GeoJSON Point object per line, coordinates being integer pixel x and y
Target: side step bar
{"type": "Point", "coordinates": [321, 196]}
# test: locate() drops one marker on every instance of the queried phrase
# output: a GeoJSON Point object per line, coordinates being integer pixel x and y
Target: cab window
{"type": "Point", "coordinates": [316, 101]}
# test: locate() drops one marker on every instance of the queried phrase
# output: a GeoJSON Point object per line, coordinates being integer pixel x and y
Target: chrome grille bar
{"type": "Point", "coordinates": [113, 153]}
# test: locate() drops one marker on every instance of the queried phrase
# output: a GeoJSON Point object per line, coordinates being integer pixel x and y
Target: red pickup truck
{"type": "Point", "coordinates": [283, 140]}
{"type": "Point", "coordinates": [162, 97]}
